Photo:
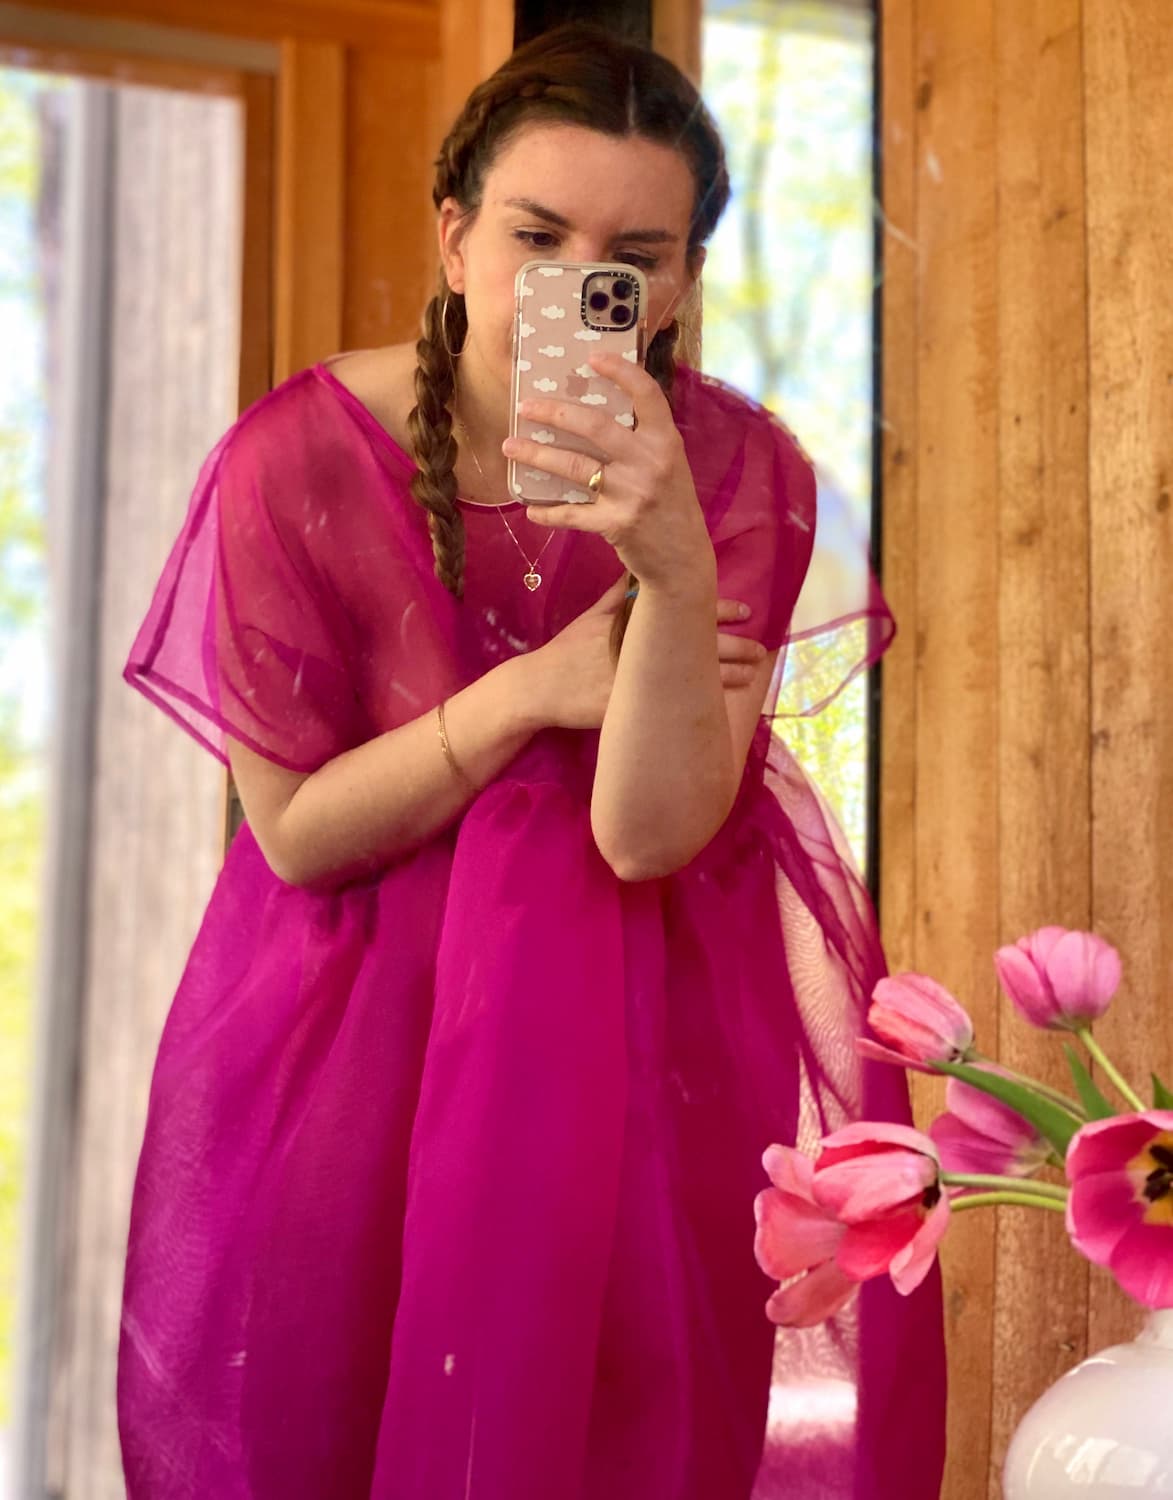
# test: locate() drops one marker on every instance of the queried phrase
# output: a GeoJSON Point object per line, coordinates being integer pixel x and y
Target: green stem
{"type": "Point", "coordinates": [1056, 1096]}
{"type": "Point", "coordinates": [1007, 1184]}
{"type": "Point", "coordinates": [986, 1200]}
{"type": "Point", "coordinates": [1098, 1055]}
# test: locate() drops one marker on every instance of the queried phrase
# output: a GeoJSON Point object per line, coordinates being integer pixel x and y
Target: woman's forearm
{"type": "Point", "coordinates": [666, 777]}
{"type": "Point", "coordinates": [379, 801]}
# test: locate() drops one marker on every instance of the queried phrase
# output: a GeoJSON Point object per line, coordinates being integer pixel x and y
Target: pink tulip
{"type": "Point", "coordinates": [1120, 1210]}
{"type": "Point", "coordinates": [869, 1204]}
{"type": "Point", "coordinates": [795, 1237]}
{"type": "Point", "coordinates": [981, 1134]}
{"type": "Point", "coordinates": [881, 1181]}
{"type": "Point", "coordinates": [919, 1020]}
{"type": "Point", "coordinates": [1059, 979]}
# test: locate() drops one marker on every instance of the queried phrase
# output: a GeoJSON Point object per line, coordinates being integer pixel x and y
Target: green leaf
{"type": "Point", "coordinates": [1050, 1120]}
{"type": "Point", "coordinates": [1098, 1108]}
{"type": "Point", "coordinates": [1162, 1098]}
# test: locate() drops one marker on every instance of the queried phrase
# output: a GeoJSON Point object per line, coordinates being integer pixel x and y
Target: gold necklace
{"type": "Point", "coordinates": [532, 578]}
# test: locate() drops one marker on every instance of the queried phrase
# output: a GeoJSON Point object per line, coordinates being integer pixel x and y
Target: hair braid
{"type": "Point", "coordinates": [434, 448]}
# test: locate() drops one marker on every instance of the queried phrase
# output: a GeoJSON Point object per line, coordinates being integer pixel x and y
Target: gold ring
{"type": "Point", "coordinates": [595, 482]}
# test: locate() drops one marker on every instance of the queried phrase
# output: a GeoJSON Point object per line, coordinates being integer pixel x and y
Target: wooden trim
{"type": "Point", "coordinates": [676, 33]}
{"type": "Point", "coordinates": [108, 68]}
{"type": "Point", "coordinates": [59, 41]}
{"type": "Point", "coordinates": [477, 37]}
{"type": "Point", "coordinates": [311, 205]}
{"type": "Point", "coordinates": [390, 239]}
{"type": "Point", "coordinates": [411, 27]}
{"type": "Point", "coordinates": [258, 239]}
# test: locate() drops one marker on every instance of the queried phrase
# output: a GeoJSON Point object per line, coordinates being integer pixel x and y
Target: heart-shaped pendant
{"type": "Point", "coordinates": [532, 581]}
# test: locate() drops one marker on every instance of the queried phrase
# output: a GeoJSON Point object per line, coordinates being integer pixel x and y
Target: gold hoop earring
{"type": "Point", "coordinates": [448, 349]}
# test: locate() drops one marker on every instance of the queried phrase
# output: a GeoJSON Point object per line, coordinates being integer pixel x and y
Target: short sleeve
{"type": "Point", "coordinates": [243, 637]}
{"type": "Point", "coordinates": [784, 546]}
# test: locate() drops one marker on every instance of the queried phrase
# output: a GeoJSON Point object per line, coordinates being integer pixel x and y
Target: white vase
{"type": "Point", "coordinates": [1105, 1430]}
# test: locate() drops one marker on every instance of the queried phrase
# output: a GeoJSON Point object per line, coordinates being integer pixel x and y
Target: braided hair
{"type": "Point", "coordinates": [577, 75]}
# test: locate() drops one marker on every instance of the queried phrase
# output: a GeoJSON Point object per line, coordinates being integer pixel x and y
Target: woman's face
{"type": "Point", "coordinates": [563, 192]}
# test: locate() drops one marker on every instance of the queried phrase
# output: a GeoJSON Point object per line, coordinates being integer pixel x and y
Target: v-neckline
{"type": "Point", "coordinates": [363, 414]}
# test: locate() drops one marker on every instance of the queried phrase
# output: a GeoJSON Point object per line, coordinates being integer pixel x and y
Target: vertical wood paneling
{"type": "Point", "coordinates": [1128, 57]}
{"type": "Point", "coordinates": [311, 204]}
{"type": "Point", "coordinates": [390, 243]}
{"type": "Point", "coordinates": [1030, 551]}
{"type": "Point", "coordinates": [956, 850]}
{"type": "Point", "coordinates": [1044, 709]}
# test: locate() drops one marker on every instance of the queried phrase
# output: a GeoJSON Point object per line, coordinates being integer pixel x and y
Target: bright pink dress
{"type": "Point", "coordinates": [446, 1189]}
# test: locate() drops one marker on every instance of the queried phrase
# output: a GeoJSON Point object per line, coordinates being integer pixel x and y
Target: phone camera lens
{"type": "Point", "coordinates": [621, 291]}
{"type": "Point", "coordinates": [599, 300]}
{"type": "Point", "coordinates": [621, 315]}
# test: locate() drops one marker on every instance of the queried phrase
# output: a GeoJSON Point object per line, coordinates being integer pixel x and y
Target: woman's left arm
{"type": "Point", "coordinates": [674, 741]}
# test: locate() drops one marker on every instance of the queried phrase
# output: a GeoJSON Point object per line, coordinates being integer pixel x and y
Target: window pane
{"type": "Point", "coordinates": [788, 285]}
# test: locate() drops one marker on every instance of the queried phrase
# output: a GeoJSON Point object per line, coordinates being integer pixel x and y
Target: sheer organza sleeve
{"type": "Point", "coordinates": [244, 638]}
{"type": "Point", "coordinates": [761, 517]}
{"type": "Point", "coordinates": [785, 545]}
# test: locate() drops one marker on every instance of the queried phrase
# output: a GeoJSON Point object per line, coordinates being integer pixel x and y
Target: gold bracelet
{"type": "Point", "coordinates": [454, 765]}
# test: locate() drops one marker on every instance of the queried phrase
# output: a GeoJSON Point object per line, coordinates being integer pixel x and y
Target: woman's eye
{"type": "Point", "coordinates": [640, 262]}
{"type": "Point", "coordinates": [537, 239]}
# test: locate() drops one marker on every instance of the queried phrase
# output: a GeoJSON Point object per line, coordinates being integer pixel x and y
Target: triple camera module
{"type": "Point", "coordinates": [610, 299]}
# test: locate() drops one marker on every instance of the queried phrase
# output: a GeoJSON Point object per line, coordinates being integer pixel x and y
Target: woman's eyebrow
{"type": "Point", "coordinates": [548, 216]}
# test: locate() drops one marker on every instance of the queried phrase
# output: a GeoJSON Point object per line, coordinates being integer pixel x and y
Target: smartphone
{"type": "Point", "coordinates": [565, 313]}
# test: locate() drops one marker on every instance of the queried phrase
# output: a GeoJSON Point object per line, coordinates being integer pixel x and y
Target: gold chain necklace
{"type": "Point", "coordinates": [532, 578]}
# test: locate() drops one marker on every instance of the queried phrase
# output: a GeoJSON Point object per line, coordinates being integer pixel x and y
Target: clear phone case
{"type": "Point", "coordinates": [565, 313]}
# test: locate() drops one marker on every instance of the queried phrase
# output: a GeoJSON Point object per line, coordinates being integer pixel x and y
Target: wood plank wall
{"type": "Point", "coordinates": [1027, 770]}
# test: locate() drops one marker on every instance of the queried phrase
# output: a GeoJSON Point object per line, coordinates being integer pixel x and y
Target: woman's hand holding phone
{"type": "Point", "coordinates": [647, 507]}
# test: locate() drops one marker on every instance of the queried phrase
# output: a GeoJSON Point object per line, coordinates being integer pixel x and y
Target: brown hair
{"type": "Point", "coordinates": [574, 75]}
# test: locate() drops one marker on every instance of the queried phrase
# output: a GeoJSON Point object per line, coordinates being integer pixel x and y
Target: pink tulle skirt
{"type": "Point", "coordinates": [447, 1185]}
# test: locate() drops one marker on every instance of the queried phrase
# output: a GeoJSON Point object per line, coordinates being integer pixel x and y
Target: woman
{"type": "Point", "coordinates": [528, 947]}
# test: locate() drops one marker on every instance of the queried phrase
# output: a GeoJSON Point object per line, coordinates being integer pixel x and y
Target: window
{"type": "Point", "coordinates": [789, 283]}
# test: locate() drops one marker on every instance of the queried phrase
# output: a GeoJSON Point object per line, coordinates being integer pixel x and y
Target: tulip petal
{"type": "Point", "coordinates": [911, 1265]}
{"type": "Point", "coordinates": [792, 1234]}
{"type": "Point", "coordinates": [863, 1187]}
{"type": "Point", "coordinates": [1084, 973]}
{"type": "Point", "coordinates": [875, 1053]}
{"type": "Point", "coordinates": [1142, 1263]}
{"type": "Point", "coordinates": [986, 1115]}
{"type": "Point", "coordinates": [811, 1299]}
{"type": "Point", "coordinates": [1100, 1207]}
{"type": "Point", "coordinates": [1039, 945]}
{"type": "Point", "coordinates": [867, 1249]}
{"type": "Point", "coordinates": [963, 1149]}
{"type": "Point", "coordinates": [1027, 991]}
{"type": "Point", "coordinates": [1108, 1145]}
{"type": "Point", "coordinates": [789, 1170]}
{"type": "Point", "coordinates": [865, 1134]}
